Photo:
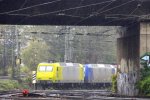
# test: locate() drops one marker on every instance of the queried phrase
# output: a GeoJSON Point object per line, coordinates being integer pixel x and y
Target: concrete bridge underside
{"type": "Point", "coordinates": [133, 15]}
{"type": "Point", "coordinates": [73, 12]}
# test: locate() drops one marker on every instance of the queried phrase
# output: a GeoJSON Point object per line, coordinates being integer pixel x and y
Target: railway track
{"type": "Point", "coordinates": [64, 95]}
{"type": "Point", "coordinates": [51, 94]}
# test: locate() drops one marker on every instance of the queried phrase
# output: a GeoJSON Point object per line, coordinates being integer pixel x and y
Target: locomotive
{"type": "Point", "coordinates": [74, 75]}
{"type": "Point", "coordinates": [98, 75]}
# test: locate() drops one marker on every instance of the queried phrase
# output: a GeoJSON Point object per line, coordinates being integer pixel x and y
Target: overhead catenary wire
{"type": "Point", "coordinates": [58, 11]}
{"type": "Point", "coordinates": [41, 14]}
{"type": "Point", "coordinates": [105, 6]}
{"type": "Point", "coordinates": [135, 9]}
{"type": "Point", "coordinates": [115, 7]}
{"type": "Point", "coordinates": [104, 11]}
{"type": "Point", "coordinates": [125, 15]}
{"type": "Point", "coordinates": [129, 16]}
{"type": "Point", "coordinates": [140, 16]}
{"type": "Point", "coordinates": [63, 14]}
{"type": "Point", "coordinates": [23, 4]}
{"type": "Point", "coordinates": [26, 15]}
{"type": "Point", "coordinates": [96, 12]}
{"type": "Point", "coordinates": [78, 7]}
{"type": "Point", "coordinates": [60, 14]}
{"type": "Point", "coordinates": [42, 4]}
{"type": "Point", "coordinates": [83, 18]}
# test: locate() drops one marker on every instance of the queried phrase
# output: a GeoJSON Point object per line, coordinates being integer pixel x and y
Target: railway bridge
{"type": "Point", "coordinates": [132, 15]}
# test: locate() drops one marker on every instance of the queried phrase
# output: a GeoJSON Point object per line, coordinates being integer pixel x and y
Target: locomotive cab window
{"type": "Point", "coordinates": [49, 68]}
{"type": "Point", "coordinates": [42, 68]}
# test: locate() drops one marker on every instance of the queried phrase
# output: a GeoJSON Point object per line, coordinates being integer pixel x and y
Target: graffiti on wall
{"type": "Point", "coordinates": [127, 78]}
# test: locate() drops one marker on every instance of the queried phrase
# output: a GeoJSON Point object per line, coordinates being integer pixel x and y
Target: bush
{"type": "Point", "coordinates": [144, 83]}
{"type": "Point", "coordinates": [27, 81]}
{"type": "Point", "coordinates": [144, 86]}
{"type": "Point", "coordinates": [9, 85]}
{"type": "Point", "coordinates": [114, 83]}
{"type": "Point", "coordinates": [24, 69]}
{"type": "Point", "coordinates": [14, 84]}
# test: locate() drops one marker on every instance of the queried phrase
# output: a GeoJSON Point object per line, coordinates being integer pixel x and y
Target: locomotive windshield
{"type": "Point", "coordinates": [42, 68]}
{"type": "Point", "coordinates": [49, 68]}
{"type": "Point", "coordinates": [46, 68]}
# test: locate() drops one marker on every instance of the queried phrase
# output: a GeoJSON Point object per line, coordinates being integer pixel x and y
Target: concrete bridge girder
{"type": "Point", "coordinates": [73, 12]}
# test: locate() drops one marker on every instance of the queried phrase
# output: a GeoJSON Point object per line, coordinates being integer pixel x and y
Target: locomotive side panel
{"type": "Point", "coordinates": [98, 74]}
{"type": "Point", "coordinates": [72, 73]}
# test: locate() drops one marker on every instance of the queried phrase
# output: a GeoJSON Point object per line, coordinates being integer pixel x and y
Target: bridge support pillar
{"type": "Point", "coordinates": [131, 46]}
{"type": "Point", "coordinates": [144, 38]}
{"type": "Point", "coordinates": [128, 60]}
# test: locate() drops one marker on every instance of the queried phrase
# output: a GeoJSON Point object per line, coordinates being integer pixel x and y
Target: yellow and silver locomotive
{"type": "Point", "coordinates": [57, 74]}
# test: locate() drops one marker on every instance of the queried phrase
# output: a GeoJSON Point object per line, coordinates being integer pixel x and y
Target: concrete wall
{"type": "Point", "coordinates": [128, 60]}
{"type": "Point", "coordinates": [144, 38]}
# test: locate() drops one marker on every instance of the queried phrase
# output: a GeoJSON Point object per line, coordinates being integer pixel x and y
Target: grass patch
{"type": "Point", "coordinates": [9, 85]}
{"type": "Point", "coordinates": [6, 85]}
